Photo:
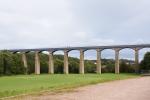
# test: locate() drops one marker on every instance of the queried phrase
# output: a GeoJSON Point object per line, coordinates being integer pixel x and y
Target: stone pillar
{"type": "Point", "coordinates": [136, 60]}
{"type": "Point", "coordinates": [117, 61]}
{"type": "Point", "coordinates": [37, 63]}
{"type": "Point", "coordinates": [81, 69]}
{"type": "Point", "coordinates": [66, 70]}
{"type": "Point", "coordinates": [51, 63]}
{"type": "Point", "coordinates": [24, 59]}
{"type": "Point", "coordinates": [98, 61]}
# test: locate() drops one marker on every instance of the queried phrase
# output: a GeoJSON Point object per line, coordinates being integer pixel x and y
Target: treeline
{"type": "Point", "coordinates": [11, 64]}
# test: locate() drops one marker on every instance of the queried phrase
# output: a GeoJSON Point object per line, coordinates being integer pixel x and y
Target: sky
{"type": "Point", "coordinates": [61, 23]}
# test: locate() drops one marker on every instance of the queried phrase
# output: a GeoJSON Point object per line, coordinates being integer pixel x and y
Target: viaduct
{"type": "Point", "coordinates": [99, 49]}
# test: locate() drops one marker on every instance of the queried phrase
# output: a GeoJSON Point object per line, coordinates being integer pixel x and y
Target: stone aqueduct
{"type": "Point", "coordinates": [99, 49]}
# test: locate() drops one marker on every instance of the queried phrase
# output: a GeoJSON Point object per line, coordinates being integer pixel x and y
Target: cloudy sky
{"type": "Point", "coordinates": [57, 23]}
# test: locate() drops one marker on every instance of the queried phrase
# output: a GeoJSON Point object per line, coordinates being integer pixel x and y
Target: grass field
{"type": "Point", "coordinates": [26, 84]}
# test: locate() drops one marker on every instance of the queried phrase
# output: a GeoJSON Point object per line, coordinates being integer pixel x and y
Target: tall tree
{"type": "Point", "coordinates": [145, 63]}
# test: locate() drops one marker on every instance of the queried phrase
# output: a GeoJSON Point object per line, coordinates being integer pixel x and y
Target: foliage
{"type": "Point", "coordinates": [145, 63]}
{"type": "Point", "coordinates": [90, 67]}
{"type": "Point", "coordinates": [126, 68]}
{"type": "Point", "coordinates": [12, 64]}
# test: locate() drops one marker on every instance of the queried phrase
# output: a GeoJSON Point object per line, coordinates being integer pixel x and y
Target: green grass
{"type": "Point", "coordinates": [26, 84]}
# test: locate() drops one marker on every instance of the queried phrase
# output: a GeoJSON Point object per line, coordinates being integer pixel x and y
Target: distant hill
{"type": "Point", "coordinates": [107, 61]}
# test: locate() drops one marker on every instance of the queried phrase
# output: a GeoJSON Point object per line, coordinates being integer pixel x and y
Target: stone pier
{"type": "Point", "coordinates": [24, 59]}
{"type": "Point", "coordinates": [117, 61]}
{"type": "Point", "coordinates": [136, 60]}
{"type": "Point", "coordinates": [37, 63]}
{"type": "Point", "coordinates": [51, 63]}
{"type": "Point", "coordinates": [98, 61]}
{"type": "Point", "coordinates": [66, 69]}
{"type": "Point", "coordinates": [81, 69]}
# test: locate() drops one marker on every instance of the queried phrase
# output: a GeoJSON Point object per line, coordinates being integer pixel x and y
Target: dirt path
{"type": "Point", "coordinates": [131, 89]}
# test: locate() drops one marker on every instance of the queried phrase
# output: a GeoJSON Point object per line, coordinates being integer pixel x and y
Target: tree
{"type": "Point", "coordinates": [90, 67]}
{"type": "Point", "coordinates": [17, 66]}
{"type": "Point", "coordinates": [10, 63]}
{"type": "Point", "coordinates": [1, 64]}
{"type": "Point", "coordinates": [5, 62]}
{"type": "Point", "coordinates": [126, 68]}
{"type": "Point", "coordinates": [145, 63]}
{"type": "Point", "coordinates": [73, 65]}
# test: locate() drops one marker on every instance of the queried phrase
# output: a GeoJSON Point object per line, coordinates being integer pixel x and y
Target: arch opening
{"type": "Point", "coordinates": [108, 61]}
{"type": "Point", "coordinates": [143, 65]}
{"type": "Point", "coordinates": [58, 57]}
{"type": "Point", "coordinates": [90, 61]}
{"type": "Point", "coordinates": [43, 56]}
{"type": "Point", "coordinates": [127, 60]}
{"type": "Point", "coordinates": [73, 59]}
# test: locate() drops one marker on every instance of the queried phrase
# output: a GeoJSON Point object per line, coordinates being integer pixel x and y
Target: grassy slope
{"type": "Point", "coordinates": [14, 85]}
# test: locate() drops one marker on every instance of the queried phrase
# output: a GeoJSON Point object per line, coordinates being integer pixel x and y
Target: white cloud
{"type": "Point", "coordinates": [54, 23]}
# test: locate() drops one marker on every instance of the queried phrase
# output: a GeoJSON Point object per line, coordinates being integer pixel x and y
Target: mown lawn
{"type": "Point", "coordinates": [24, 84]}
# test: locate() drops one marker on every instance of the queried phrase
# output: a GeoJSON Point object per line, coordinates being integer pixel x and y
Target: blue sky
{"type": "Point", "coordinates": [57, 23]}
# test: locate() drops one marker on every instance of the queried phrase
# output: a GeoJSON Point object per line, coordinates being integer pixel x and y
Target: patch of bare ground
{"type": "Point", "coordinates": [130, 89]}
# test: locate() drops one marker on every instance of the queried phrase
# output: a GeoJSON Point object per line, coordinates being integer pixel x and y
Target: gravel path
{"type": "Point", "coordinates": [130, 89]}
